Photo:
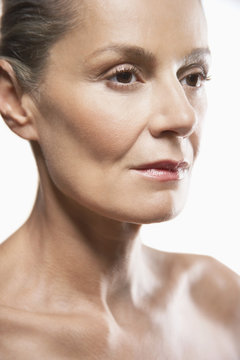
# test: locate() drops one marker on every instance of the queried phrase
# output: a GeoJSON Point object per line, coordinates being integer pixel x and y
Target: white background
{"type": "Point", "coordinates": [210, 221]}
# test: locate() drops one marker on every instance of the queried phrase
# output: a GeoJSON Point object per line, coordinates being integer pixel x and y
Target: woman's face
{"type": "Point", "coordinates": [126, 90]}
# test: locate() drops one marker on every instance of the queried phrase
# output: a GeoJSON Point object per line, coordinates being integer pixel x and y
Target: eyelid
{"type": "Point", "coordinates": [123, 68]}
{"type": "Point", "coordinates": [202, 76]}
{"type": "Point", "coordinates": [198, 67]}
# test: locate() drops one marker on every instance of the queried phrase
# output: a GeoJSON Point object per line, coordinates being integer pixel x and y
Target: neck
{"type": "Point", "coordinates": [84, 248]}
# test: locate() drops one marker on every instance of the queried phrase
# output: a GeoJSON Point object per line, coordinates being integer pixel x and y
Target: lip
{"type": "Point", "coordinates": [164, 170]}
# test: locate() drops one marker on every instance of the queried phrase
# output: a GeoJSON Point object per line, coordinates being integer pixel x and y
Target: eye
{"type": "Point", "coordinates": [195, 80]}
{"type": "Point", "coordinates": [124, 76]}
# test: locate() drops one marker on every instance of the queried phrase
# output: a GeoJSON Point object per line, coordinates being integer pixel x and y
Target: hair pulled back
{"type": "Point", "coordinates": [28, 29]}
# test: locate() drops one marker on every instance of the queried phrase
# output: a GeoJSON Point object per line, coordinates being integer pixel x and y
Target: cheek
{"type": "Point", "coordinates": [102, 127]}
{"type": "Point", "coordinates": [199, 103]}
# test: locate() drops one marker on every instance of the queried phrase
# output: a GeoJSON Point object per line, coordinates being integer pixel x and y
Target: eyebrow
{"type": "Point", "coordinates": [197, 55]}
{"type": "Point", "coordinates": [148, 58]}
{"type": "Point", "coordinates": [136, 53]}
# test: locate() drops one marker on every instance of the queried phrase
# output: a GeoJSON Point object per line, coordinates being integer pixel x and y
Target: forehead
{"type": "Point", "coordinates": [169, 29]}
{"type": "Point", "coordinates": [153, 22]}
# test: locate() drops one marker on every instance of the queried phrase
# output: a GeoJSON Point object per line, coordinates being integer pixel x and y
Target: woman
{"type": "Point", "coordinates": [111, 95]}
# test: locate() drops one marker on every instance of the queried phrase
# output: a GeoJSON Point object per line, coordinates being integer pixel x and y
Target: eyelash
{"type": "Point", "coordinates": [133, 70]}
{"type": "Point", "coordinates": [123, 69]}
{"type": "Point", "coordinates": [201, 74]}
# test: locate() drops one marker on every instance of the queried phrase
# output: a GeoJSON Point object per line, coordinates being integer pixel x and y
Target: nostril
{"type": "Point", "coordinates": [167, 133]}
{"type": "Point", "coordinates": [173, 127]}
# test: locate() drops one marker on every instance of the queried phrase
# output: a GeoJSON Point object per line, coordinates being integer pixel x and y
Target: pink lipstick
{"type": "Point", "coordinates": [164, 170]}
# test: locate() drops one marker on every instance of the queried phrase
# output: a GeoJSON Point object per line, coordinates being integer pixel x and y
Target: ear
{"type": "Point", "coordinates": [15, 106]}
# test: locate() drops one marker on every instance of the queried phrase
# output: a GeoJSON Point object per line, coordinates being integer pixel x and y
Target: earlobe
{"type": "Point", "coordinates": [13, 109]}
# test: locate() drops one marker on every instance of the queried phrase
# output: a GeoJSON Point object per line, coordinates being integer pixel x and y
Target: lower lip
{"type": "Point", "coordinates": [163, 175]}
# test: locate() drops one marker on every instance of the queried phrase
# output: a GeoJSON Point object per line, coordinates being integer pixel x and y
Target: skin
{"type": "Point", "coordinates": [75, 280]}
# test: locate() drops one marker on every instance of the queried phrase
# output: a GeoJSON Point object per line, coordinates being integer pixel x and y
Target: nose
{"type": "Point", "coordinates": [172, 111]}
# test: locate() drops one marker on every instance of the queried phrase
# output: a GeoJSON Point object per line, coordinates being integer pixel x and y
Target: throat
{"type": "Point", "coordinates": [68, 256]}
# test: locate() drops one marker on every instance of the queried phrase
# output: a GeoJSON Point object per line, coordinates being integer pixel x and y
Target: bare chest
{"type": "Point", "coordinates": [159, 336]}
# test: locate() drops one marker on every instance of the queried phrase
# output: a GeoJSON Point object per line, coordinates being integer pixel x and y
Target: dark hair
{"type": "Point", "coordinates": [28, 29]}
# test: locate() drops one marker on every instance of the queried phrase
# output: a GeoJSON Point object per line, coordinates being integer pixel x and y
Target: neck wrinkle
{"type": "Point", "coordinates": [80, 254]}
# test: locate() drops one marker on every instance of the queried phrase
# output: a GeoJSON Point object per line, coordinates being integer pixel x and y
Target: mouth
{"type": "Point", "coordinates": [164, 170]}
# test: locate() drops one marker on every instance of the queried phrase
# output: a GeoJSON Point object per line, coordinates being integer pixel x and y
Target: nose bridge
{"type": "Point", "coordinates": [172, 110]}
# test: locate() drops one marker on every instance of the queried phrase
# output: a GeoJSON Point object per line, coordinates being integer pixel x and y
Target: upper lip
{"type": "Point", "coordinates": [171, 165]}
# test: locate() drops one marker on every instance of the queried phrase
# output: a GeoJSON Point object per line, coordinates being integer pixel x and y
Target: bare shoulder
{"type": "Point", "coordinates": [216, 290]}
{"type": "Point", "coordinates": [212, 286]}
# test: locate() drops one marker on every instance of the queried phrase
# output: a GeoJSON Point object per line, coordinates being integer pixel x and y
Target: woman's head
{"type": "Point", "coordinates": [123, 88]}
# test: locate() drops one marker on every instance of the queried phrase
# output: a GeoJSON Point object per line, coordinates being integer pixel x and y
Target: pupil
{"type": "Point", "coordinates": [193, 80]}
{"type": "Point", "coordinates": [124, 77]}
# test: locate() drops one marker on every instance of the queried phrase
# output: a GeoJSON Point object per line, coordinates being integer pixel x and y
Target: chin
{"type": "Point", "coordinates": [162, 217]}
{"type": "Point", "coordinates": [147, 213]}
{"type": "Point", "coordinates": [151, 218]}
{"type": "Point", "coordinates": [156, 209]}
{"type": "Point", "coordinates": [136, 207]}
